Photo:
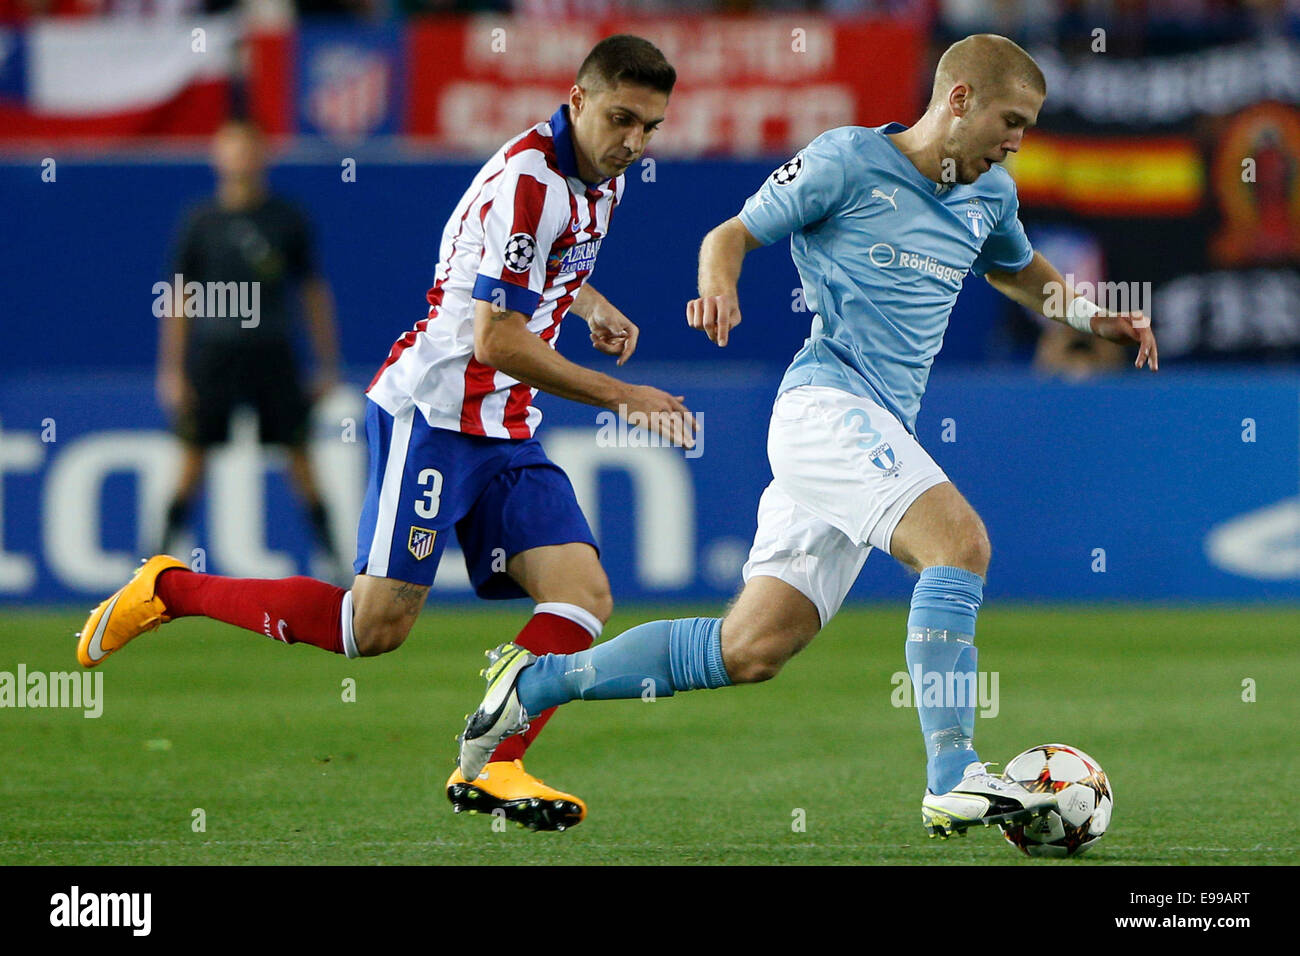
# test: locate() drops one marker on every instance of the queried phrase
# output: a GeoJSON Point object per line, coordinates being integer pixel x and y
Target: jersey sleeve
{"type": "Point", "coordinates": [1007, 248]}
{"type": "Point", "coordinates": [804, 190]}
{"type": "Point", "coordinates": [526, 217]}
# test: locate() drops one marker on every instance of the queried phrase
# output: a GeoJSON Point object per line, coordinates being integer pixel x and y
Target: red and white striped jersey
{"type": "Point", "coordinates": [523, 237]}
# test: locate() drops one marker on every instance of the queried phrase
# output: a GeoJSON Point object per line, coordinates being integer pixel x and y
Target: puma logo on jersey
{"type": "Point", "coordinates": [887, 197]}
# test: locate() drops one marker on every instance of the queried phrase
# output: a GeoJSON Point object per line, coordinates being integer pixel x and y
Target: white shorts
{"type": "Point", "coordinates": [845, 472]}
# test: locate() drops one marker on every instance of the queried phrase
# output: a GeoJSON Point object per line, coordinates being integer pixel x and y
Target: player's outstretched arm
{"type": "Point", "coordinates": [503, 341]}
{"type": "Point", "coordinates": [717, 310]}
{"type": "Point", "coordinates": [612, 332]}
{"type": "Point", "coordinates": [1039, 286]}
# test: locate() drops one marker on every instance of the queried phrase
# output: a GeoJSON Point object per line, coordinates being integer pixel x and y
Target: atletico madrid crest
{"type": "Point", "coordinates": [420, 542]}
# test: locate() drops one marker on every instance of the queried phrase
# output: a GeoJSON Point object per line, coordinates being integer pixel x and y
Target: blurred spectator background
{"type": "Point", "coordinates": [1147, 25]}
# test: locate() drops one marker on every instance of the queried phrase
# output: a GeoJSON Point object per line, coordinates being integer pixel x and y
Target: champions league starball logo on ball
{"type": "Point", "coordinates": [520, 250]}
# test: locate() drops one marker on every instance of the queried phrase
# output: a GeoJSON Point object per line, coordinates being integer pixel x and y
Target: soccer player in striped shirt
{"type": "Point", "coordinates": [885, 223]}
{"type": "Point", "coordinates": [450, 424]}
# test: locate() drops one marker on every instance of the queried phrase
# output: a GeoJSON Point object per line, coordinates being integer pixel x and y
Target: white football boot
{"type": "Point", "coordinates": [500, 714]}
{"type": "Point", "coordinates": [980, 798]}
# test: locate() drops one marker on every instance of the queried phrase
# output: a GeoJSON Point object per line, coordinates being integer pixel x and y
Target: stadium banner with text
{"type": "Point", "coordinates": [746, 85]}
{"type": "Point", "coordinates": [1180, 171]}
{"type": "Point", "coordinates": [1181, 487]}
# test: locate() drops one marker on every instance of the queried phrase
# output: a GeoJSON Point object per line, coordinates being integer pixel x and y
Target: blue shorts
{"type": "Point", "coordinates": [502, 495]}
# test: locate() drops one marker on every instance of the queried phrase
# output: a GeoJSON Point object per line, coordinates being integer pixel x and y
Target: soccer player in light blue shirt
{"type": "Point", "coordinates": [885, 223]}
{"type": "Point", "coordinates": [882, 252]}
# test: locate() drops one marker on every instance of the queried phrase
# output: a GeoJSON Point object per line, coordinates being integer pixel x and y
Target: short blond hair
{"type": "Point", "coordinates": [989, 64]}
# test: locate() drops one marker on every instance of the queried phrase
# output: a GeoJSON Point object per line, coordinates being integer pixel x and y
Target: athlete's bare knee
{"type": "Point", "coordinates": [753, 669]}
{"type": "Point", "coordinates": [592, 595]}
{"type": "Point", "coordinates": [380, 637]}
{"type": "Point", "coordinates": [374, 639]}
{"type": "Point", "coordinates": [383, 613]}
{"type": "Point", "coordinates": [770, 623]}
{"type": "Point", "coordinates": [969, 549]}
{"type": "Point", "coordinates": [564, 574]}
{"type": "Point", "coordinates": [753, 655]}
{"type": "Point", "coordinates": [600, 602]}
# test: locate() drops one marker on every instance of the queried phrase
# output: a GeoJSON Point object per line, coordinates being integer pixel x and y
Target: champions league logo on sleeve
{"type": "Point", "coordinates": [521, 249]}
{"type": "Point", "coordinates": [786, 172]}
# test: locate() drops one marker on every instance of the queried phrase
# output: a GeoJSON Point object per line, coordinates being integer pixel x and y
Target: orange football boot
{"type": "Point", "coordinates": [507, 787]}
{"type": "Point", "coordinates": [130, 612]}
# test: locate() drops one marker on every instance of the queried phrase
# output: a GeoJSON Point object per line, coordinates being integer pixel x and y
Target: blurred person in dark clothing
{"type": "Point", "coordinates": [249, 239]}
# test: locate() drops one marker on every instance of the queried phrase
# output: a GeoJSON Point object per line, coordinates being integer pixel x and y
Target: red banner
{"type": "Point", "coordinates": [745, 85]}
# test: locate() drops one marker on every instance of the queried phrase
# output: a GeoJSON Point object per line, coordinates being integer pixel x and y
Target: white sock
{"type": "Point", "coordinates": [349, 640]}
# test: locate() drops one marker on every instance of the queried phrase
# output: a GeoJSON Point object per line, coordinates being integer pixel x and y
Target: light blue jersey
{"type": "Point", "coordinates": [881, 252]}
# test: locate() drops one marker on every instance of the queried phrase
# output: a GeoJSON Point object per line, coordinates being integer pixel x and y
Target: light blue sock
{"type": "Point", "coordinates": [667, 656]}
{"type": "Point", "coordinates": [941, 659]}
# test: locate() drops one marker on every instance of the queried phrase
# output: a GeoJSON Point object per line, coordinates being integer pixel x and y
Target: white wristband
{"type": "Point", "coordinates": [1080, 312]}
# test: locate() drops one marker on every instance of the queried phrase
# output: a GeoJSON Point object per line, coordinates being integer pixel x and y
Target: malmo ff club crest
{"type": "Point", "coordinates": [883, 458]}
{"type": "Point", "coordinates": [420, 542]}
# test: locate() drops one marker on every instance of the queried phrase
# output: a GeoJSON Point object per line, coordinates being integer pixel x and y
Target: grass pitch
{"type": "Point", "coordinates": [258, 737]}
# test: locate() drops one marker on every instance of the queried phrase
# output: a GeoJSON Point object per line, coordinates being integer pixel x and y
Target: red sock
{"type": "Point", "coordinates": [292, 610]}
{"type": "Point", "coordinates": [545, 633]}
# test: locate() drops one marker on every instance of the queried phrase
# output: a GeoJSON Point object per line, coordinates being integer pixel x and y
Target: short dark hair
{"type": "Point", "coordinates": [624, 58]}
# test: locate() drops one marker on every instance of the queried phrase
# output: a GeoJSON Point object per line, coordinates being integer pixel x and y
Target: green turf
{"type": "Point", "coordinates": [257, 734]}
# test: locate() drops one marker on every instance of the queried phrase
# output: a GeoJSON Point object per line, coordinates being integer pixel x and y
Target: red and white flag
{"type": "Point", "coordinates": [112, 78]}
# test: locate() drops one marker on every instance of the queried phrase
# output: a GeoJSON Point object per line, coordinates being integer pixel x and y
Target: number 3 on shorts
{"type": "Point", "coordinates": [428, 509]}
{"type": "Point", "coordinates": [859, 417]}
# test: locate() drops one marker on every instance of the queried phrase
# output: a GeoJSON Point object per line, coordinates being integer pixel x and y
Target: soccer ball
{"type": "Point", "coordinates": [1084, 800]}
